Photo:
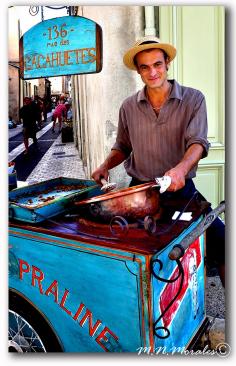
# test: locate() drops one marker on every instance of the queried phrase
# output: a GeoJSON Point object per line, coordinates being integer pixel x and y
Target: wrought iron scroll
{"type": "Point", "coordinates": [180, 273]}
{"type": "Point", "coordinates": [33, 10]}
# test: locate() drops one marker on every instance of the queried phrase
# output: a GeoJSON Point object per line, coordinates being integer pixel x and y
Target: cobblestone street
{"type": "Point", "coordinates": [61, 160]}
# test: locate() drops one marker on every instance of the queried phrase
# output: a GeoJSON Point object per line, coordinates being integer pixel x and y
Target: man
{"type": "Point", "coordinates": [29, 115]}
{"type": "Point", "coordinates": [38, 105]}
{"type": "Point", "coordinates": [46, 107]}
{"type": "Point", "coordinates": [162, 131]}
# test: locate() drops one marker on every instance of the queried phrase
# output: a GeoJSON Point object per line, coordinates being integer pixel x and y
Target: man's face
{"type": "Point", "coordinates": [27, 101]}
{"type": "Point", "coordinates": [152, 67]}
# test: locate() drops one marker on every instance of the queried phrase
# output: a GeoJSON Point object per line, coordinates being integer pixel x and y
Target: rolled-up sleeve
{"type": "Point", "coordinates": [122, 140]}
{"type": "Point", "coordinates": [196, 132]}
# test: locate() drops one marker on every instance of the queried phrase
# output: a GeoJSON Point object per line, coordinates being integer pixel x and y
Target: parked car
{"type": "Point", "coordinates": [11, 123]}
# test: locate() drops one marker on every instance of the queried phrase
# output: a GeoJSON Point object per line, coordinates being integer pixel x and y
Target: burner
{"type": "Point", "coordinates": [119, 226]}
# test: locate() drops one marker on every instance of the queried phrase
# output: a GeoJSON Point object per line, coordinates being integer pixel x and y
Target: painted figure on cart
{"type": "Point", "coordinates": [162, 131]}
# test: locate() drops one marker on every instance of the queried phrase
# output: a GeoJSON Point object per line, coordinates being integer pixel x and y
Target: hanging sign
{"type": "Point", "coordinates": [61, 46]}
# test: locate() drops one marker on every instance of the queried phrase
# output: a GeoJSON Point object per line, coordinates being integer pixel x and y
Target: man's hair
{"type": "Point", "coordinates": [166, 57]}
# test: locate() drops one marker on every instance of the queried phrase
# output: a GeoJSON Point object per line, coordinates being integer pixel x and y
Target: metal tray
{"type": "Point", "coordinates": [40, 201]}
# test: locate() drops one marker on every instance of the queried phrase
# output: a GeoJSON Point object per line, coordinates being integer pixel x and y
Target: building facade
{"type": "Point", "coordinates": [18, 88]}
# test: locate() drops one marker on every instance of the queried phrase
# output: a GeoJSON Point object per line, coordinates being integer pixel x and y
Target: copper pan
{"type": "Point", "coordinates": [131, 203]}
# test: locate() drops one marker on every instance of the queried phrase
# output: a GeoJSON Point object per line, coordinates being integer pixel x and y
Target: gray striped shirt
{"type": "Point", "coordinates": [152, 144]}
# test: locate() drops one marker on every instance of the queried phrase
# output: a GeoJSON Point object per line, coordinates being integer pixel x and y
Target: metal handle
{"type": "Point", "coordinates": [179, 249]}
{"type": "Point", "coordinates": [104, 181]}
{"type": "Point", "coordinates": [155, 186]}
{"type": "Point", "coordinates": [107, 186]}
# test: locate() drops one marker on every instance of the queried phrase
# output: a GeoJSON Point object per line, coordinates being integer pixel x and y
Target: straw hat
{"type": "Point", "coordinates": [146, 43]}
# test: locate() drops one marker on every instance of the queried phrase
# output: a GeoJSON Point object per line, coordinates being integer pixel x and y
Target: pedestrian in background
{"type": "Point", "coordinates": [39, 106]}
{"type": "Point", "coordinates": [46, 106]}
{"type": "Point", "coordinates": [29, 115]}
{"type": "Point", "coordinates": [60, 113]}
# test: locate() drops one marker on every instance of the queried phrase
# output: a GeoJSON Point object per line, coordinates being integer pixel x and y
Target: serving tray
{"type": "Point", "coordinates": [40, 201]}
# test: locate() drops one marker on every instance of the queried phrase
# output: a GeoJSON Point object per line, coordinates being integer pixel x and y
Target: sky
{"type": "Point", "coordinates": [27, 21]}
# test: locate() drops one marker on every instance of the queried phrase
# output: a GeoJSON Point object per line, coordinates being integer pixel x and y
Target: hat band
{"type": "Point", "coordinates": [147, 42]}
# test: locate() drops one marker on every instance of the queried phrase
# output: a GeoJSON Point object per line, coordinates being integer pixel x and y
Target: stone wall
{"type": "Point", "coordinates": [100, 95]}
{"type": "Point", "coordinates": [13, 92]}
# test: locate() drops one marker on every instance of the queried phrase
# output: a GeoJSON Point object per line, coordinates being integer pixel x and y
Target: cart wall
{"type": "Point", "coordinates": [93, 297]}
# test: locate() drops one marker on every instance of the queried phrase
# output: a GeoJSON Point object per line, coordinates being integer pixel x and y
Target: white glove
{"type": "Point", "coordinates": [163, 182]}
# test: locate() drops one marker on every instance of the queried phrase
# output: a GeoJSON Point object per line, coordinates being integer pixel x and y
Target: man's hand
{"type": "Point", "coordinates": [99, 173]}
{"type": "Point", "coordinates": [179, 172]}
{"type": "Point", "coordinates": [114, 158]}
{"type": "Point", "coordinates": [177, 176]}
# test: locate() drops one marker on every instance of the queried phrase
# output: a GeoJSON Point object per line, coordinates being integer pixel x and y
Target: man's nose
{"type": "Point", "coordinates": [152, 71]}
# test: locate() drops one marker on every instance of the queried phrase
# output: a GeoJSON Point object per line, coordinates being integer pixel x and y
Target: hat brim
{"type": "Point", "coordinates": [128, 58]}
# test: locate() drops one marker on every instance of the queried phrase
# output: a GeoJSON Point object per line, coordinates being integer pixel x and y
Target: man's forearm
{"type": "Point", "coordinates": [115, 158]}
{"type": "Point", "coordinates": [191, 158]}
{"type": "Point", "coordinates": [179, 172]}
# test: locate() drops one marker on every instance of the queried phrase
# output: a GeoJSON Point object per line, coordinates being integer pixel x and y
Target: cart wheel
{"type": "Point", "coordinates": [22, 337]}
{"type": "Point", "coordinates": [123, 226]}
{"type": "Point", "coordinates": [28, 329]}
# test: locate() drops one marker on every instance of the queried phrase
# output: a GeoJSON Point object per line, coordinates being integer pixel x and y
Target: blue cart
{"type": "Point", "coordinates": [77, 288]}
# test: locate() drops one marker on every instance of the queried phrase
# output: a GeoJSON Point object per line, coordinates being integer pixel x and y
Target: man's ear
{"type": "Point", "coordinates": [167, 63]}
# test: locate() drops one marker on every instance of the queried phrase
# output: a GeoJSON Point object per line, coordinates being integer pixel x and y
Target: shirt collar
{"type": "Point", "coordinates": [176, 92]}
{"type": "Point", "coordinates": [142, 95]}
